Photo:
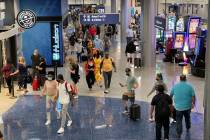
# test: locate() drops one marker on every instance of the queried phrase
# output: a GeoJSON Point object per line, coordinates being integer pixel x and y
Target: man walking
{"type": "Point", "coordinates": [162, 104]}
{"type": "Point", "coordinates": [184, 100]}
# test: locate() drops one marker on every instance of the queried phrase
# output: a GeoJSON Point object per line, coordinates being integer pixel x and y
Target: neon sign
{"type": "Point", "coordinates": [55, 42]}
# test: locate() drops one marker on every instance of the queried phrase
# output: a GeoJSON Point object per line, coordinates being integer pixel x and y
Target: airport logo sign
{"type": "Point", "coordinates": [26, 19]}
{"type": "Point", "coordinates": [55, 41]}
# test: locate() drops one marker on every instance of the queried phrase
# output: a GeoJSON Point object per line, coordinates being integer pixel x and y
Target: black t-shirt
{"type": "Point", "coordinates": [43, 66]}
{"type": "Point", "coordinates": [161, 101]}
{"type": "Point", "coordinates": [76, 74]}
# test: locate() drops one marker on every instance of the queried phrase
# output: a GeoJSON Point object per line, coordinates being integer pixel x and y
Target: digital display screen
{"type": "Point", "coordinates": [194, 23]}
{"type": "Point", "coordinates": [192, 41]}
{"type": "Point", "coordinates": [179, 41]}
{"type": "Point", "coordinates": [180, 25]}
{"type": "Point", "coordinates": [171, 23]}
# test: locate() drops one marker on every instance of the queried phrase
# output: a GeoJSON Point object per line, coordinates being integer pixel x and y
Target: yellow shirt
{"type": "Point", "coordinates": [107, 65]}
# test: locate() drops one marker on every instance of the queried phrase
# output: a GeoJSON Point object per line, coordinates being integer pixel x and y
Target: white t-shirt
{"type": "Point", "coordinates": [78, 47]}
{"type": "Point", "coordinates": [130, 33]}
{"type": "Point", "coordinates": [63, 95]}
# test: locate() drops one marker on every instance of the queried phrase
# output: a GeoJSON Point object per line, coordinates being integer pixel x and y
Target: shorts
{"type": "Point", "coordinates": [126, 98]}
{"type": "Point", "coordinates": [130, 55]}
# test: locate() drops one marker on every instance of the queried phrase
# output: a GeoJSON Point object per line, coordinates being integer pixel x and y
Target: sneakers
{"type": "Point", "coordinates": [125, 112]}
{"type": "Point", "coordinates": [48, 122]}
{"type": "Point", "coordinates": [69, 123]}
{"type": "Point", "coordinates": [106, 91]}
{"type": "Point", "coordinates": [76, 97]}
{"type": "Point", "coordinates": [60, 131]}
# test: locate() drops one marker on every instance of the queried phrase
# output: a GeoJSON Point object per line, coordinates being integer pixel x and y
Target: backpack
{"type": "Point", "coordinates": [109, 29]}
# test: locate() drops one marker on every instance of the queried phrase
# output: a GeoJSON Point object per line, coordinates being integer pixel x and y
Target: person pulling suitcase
{"type": "Point", "coordinates": [131, 85]}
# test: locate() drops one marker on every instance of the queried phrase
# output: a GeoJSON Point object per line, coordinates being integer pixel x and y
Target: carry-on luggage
{"type": "Point", "coordinates": [135, 112]}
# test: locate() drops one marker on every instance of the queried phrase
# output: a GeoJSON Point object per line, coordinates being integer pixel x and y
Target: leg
{"type": "Point", "coordinates": [158, 130]}
{"type": "Point", "coordinates": [64, 114]}
{"type": "Point", "coordinates": [166, 128]}
{"type": "Point", "coordinates": [187, 119]}
{"type": "Point", "coordinates": [125, 101]}
{"type": "Point", "coordinates": [48, 109]}
{"type": "Point", "coordinates": [88, 81]}
{"type": "Point", "coordinates": [105, 80]}
{"type": "Point", "coordinates": [92, 75]}
{"type": "Point", "coordinates": [9, 84]}
{"type": "Point", "coordinates": [179, 116]}
{"type": "Point", "coordinates": [109, 78]}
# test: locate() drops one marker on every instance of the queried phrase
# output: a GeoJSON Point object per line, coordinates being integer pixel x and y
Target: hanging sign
{"type": "Point", "coordinates": [26, 19]}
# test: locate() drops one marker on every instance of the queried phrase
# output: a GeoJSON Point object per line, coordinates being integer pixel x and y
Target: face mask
{"type": "Point", "coordinates": [50, 78]}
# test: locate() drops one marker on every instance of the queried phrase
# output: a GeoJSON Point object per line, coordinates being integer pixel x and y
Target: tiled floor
{"type": "Point", "coordinates": [25, 121]}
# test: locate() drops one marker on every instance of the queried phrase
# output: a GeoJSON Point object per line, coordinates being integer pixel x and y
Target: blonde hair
{"type": "Point", "coordinates": [21, 60]}
{"type": "Point", "coordinates": [71, 60]}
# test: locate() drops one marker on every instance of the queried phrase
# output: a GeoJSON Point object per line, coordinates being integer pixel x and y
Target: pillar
{"type": "Point", "coordinates": [124, 19]}
{"type": "Point", "coordinates": [207, 87]}
{"type": "Point", "coordinates": [113, 6]}
{"type": "Point", "coordinates": [149, 12]}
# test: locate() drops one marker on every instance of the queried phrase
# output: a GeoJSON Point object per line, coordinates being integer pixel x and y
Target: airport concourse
{"type": "Point", "coordinates": [104, 70]}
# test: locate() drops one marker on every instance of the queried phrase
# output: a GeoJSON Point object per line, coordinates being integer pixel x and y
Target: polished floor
{"type": "Point", "coordinates": [25, 120]}
{"type": "Point", "coordinates": [90, 115]}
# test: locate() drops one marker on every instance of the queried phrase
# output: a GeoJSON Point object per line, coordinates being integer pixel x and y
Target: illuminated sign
{"type": "Point", "coordinates": [160, 23]}
{"type": "Point", "coordinates": [179, 40]}
{"type": "Point", "coordinates": [26, 19]}
{"type": "Point", "coordinates": [99, 19]}
{"type": "Point", "coordinates": [194, 23]}
{"type": "Point", "coordinates": [55, 41]}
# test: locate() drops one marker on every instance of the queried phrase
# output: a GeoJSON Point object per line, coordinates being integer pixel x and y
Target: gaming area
{"type": "Point", "coordinates": [184, 42]}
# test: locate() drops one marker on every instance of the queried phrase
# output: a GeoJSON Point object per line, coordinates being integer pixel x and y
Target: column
{"type": "Point", "coordinates": [149, 12]}
{"type": "Point", "coordinates": [113, 6]}
{"type": "Point", "coordinates": [124, 19]}
{"type": "Point", "coordinates": [207, 88]}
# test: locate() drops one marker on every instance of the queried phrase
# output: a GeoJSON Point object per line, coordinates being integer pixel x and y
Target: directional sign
{"type": "Point", "coordinates": [99, 19]}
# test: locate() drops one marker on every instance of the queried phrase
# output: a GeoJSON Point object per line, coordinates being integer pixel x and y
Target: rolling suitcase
{"type": "Point", "coordinates": [135, 112]}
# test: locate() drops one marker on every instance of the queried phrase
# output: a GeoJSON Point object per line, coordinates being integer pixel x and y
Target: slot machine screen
{"type": "Point", "coordinates": [179, 41]}
{"type": "Point", "coordinates": [194, 23]}
{"type": "Point", "coordinates": [192, 41]}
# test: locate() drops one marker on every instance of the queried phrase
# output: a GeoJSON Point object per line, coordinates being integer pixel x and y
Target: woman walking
{"type": "Point", "coordinates": [22, 71]}
{"type": "Point", "coordinates": [90, 76]}
{"type": "Point", "coordinates": [97, 70]}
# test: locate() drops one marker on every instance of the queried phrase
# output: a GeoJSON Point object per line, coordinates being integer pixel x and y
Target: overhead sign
{"type": "Point", "coordinates": [160, 22]}
{"type": "Point", "coordinates": [100, 8]}
{"type": "Point", "coordinates": [55, 41]}
{"type": "Point", "coordinates": [99, 19]}
{"type": "Point", "coordinates": [26, 19]}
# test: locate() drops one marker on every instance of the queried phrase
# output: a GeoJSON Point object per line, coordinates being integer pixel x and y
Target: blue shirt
{"type": "Point", "coordinates": [182, 94]}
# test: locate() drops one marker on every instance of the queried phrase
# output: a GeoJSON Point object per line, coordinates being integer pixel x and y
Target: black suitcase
{"type": "Point", "coordinates": [135, 112]}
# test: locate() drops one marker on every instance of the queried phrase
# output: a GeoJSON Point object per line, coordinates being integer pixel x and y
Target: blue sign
{"type": "Point", "coordinates": [100, 8]}
{"type": "Point", "coordinates": [99, 19]}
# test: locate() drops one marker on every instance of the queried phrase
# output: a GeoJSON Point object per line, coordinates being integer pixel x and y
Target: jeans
{"type": "Point", "coordinates": [179, 117]}
{"type": "Point", "coordinates": [107, 79]}
{"type": "Point", "coordinates": [165, 124]}
{"type": "Point", "coordinates": [64, 114]}
{"type": "Point", "coordinates": [9, 84]}
{"type": "Point", "coordinates": [90, 78]}
{"type": "Point", "coordinates": [79, 58]}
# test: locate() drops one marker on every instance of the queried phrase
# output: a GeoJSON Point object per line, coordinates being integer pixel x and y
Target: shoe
{"type": "Point", "coordinates": [60, 131]}
{"type": "Point", "coordinates": [109, 125]}
{"type": "Point", "coordinates": [76, 97]}
{"type": "Point", "coordinates": [106, 91]}
{"type": "Point", "coordinates": [69, 123]}
{"type": "Point", "coordinates": [48, 122]}
{"type": "Point", "coordinates": [125, 112]}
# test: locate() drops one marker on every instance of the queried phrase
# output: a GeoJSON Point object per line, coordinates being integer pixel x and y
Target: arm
{"type": "Point", "coordinates": [193, 102]}
{"type": "Point", "coordinates": [153, 89]}
{"type": "Point", "coordinates": [151, 111]}
{"type": "Point", "coordinates": [44, 89]}
{"type": "Point", "coordinates": [114, 66]}
{"type": "Point", "coordinates": [14, 73]}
